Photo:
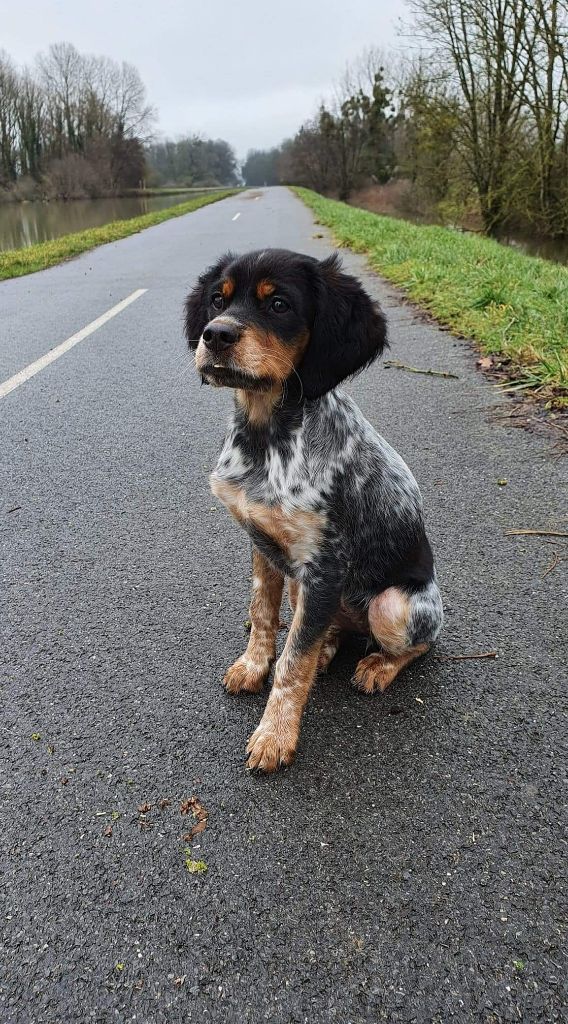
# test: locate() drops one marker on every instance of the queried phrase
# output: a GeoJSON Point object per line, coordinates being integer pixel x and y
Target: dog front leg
{"type": "Point", "coordinates": [275, 740]}
{"type": "Point", "coordinates": [250, 671]}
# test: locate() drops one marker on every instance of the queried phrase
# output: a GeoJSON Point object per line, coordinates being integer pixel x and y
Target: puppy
{"type": "Point", "coordinates": [329, 506]}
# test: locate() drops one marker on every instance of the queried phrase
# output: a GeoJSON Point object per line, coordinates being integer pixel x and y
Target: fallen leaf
{"type": "Point", "coordinates": [199, 827]}
{"type": "Point", "coordinates": [185, 807]}
{"type": "Point", "coordinates": [144, 808]}
{"type": "Point", "coordinates": [36, 736]}
{"type": "Point", "coordinates": [163, 803]}
{"type": "Point", "coordinates": [179, 981]}
{"type": "Point", "coordinates": [108, 831]}
{"type": "Point", "coordinates": [485, 363]}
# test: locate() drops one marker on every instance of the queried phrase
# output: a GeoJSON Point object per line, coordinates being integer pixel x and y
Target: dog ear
{"type": "Point", "coordinates": [348, 332]}
{"type": "Point", "coordinates": [196, 309]}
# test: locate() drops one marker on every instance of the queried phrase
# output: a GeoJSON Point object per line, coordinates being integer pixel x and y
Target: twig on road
{"type": "Point", "coordinates": [555, 561]}
{"type": "Point", "coordinates": [465, 657]}
{"type": "Point", "coordinates": [397, 365]}
{"type": "Point", "coordinates": [536, 533]}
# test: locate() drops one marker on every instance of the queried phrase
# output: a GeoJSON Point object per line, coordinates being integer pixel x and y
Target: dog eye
{"type": "Point", "coordinates": [279, 305]}
{"type": "Point", "coordinates": [217, 301]}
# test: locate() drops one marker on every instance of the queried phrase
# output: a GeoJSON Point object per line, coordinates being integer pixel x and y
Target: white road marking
{"type": "Point", "coordinates": [236, 217]}
{"type": "Point", "coordinates": [29, 371]}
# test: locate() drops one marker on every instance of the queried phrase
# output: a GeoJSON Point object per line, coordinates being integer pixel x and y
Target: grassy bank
{"type": "Point", "coordinates": [17, 262]}
{"type": "Point", "coordinates": [515, 307]}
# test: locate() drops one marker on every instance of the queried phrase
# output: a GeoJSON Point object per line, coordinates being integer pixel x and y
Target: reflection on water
{"type": "Point", "coordinates": [548, 248]}
{"type": "Point", "coordinates": [23, 224]}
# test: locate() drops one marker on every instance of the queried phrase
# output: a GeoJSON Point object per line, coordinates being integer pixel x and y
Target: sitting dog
{"type": "Point", "coordinates": [328, 504]}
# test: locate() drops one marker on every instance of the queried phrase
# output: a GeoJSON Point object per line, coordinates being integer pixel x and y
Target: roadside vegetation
{"type": "Point", "coordinates": [17, 262]}
{"type": "Point", "coordinates": [515, 307]}
{"type": "Point", "coordinates": [470, 122]}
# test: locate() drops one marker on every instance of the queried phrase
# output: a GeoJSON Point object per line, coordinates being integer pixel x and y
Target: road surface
{"type": "Point", "coordinates": [409, 866]}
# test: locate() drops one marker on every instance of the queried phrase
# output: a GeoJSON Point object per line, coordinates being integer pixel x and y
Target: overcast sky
{"type": "Point", "coordinates": [241, 70]}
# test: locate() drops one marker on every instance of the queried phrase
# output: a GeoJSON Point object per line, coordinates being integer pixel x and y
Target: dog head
{"type": "Point", "coordinates": [259, 319]}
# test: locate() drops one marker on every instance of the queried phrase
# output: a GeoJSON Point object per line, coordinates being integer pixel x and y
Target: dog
{"type": "Point", "coordinates": [329, 506]}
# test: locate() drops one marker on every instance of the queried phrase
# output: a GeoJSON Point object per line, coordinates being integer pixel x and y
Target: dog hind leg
{"type": "Point", "coordinates": [404, 625]}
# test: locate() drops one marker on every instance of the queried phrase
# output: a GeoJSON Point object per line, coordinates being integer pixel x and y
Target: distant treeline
{"type": "Point", "coordinates": [475, 124]}
{"type": "Point", "coordinates": [72, 125]}
{"type": "Point", "coordinates": [191, 161]}
{"type": "Point", "coordinates": [76, 126]}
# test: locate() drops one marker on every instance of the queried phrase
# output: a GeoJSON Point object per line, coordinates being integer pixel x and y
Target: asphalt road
{"type": "Point", "coordinates": [409, 866]}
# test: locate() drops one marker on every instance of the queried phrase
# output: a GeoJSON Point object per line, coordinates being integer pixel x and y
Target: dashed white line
{"type": "Point", "coordinates": [29, 371]}
{"type": "Point", "coordinates": [236, 217]}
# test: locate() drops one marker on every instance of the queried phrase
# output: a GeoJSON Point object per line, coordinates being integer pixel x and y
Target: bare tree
{"type": "Point", "coordinates": [482, 47]}
{"type": "Point", "coordinates": [546, 94]}
{"type": "Point", "coordinates": [8, 120]}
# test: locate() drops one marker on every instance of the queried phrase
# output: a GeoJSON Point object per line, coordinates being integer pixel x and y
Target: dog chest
{"type": "Point", "coordinates": [297, 533]}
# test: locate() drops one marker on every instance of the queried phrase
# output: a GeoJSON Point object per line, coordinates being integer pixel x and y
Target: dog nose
{"type": "Point", "coordinates": [219, 336]}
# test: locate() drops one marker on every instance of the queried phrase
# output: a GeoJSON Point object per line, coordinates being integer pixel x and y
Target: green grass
{"type": "Point", "coordinates": [17, 262]}
{"type": "Point", "coordinates": [514, 307]}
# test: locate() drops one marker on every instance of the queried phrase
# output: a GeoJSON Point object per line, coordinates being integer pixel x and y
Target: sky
{"type": "Point", "coordinates": [241, 70]}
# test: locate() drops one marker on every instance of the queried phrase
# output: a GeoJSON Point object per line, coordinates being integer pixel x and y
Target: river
{"type": "Point", "coordinates": [23, 224]}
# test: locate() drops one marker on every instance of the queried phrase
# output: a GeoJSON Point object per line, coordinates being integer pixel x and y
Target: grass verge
{"type": "Point", "coordinates": [17, 262]}
{"type": "Point", "coordinates": [514, 307]}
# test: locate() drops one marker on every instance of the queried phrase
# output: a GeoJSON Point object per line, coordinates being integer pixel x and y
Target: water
{"type": "Point", "coordinates": [23, 224]}
{"type": "Point", "coordinates": [555, 249]}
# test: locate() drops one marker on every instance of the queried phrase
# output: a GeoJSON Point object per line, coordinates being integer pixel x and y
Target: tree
{"type": "Point", "coordinates": [481, 49]}
{"type": "Point", "coordinates": [427, 130]}
{"type": "Point", "coordinates": [546, 93]}
{"type": "Point", "coordinates": [262, 167]}
{"type": "Point", "coordinates": [192, 160]}
{"type": "Point", "coordinates": [8, 120]}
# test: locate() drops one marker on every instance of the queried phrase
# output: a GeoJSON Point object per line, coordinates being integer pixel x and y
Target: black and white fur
{"type": "Point", "coordinates": [326, 501]}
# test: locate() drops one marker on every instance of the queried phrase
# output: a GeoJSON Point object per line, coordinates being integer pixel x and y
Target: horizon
{"type": "Point", "coordinates": [252, 103]}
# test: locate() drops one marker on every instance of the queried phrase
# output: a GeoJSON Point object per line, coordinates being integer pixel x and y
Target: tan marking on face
{"type": "Point", "coordinates": [264, 289]}
{"type": "Point", "coordinates": [297, 533]}
{"type": "Point", "coordinates": [264, 354]}
{"type": "Point", "coordinates": [251, 670]}
{"type": "Point", "coordinates": [389, 613]}
{"type": "Point", "coordinates": [228, 288]}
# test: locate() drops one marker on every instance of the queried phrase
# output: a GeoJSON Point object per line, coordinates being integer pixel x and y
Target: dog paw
{"type": "Point", "coordinates": [269, 750]}
{"type": "Point", "coordinates": [245, 676]}
{"type": "Point", "coordinates": [326, 656]}
{"type": "Point", "coordinates": [374, 673]}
